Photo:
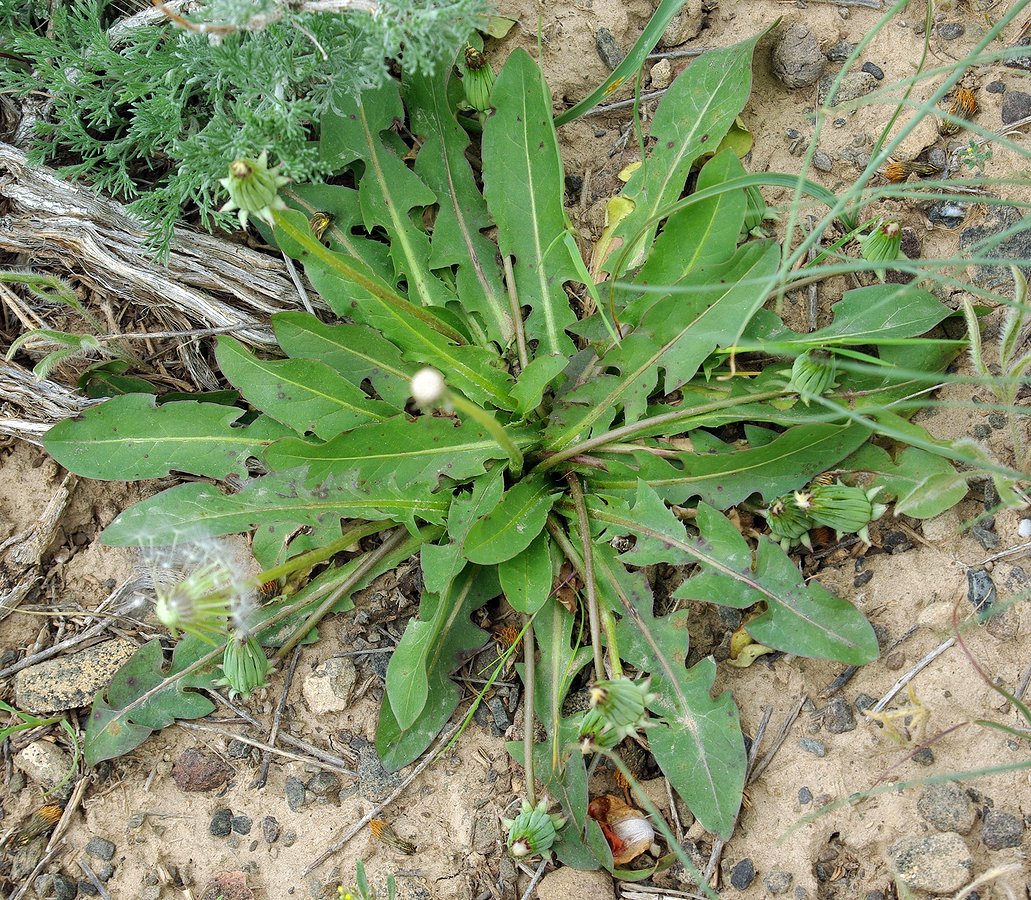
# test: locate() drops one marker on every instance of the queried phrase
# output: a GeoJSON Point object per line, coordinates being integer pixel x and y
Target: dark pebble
{"type": "Point", "coordinates": [981, 431]}
{"type": "Point", "coordinates": [996, 87]}
{"type": "Point", "coordinates": [896, 542]}
{"type": "Point", "coordinates": [863, 579]}
{"type": "Point", "coordinates": [295, 793]}
{"type": "Point", "coordinates": [1001, 830]}
{"type": "Point", "coordinates": [1007, 237]}
{"type": "Point", "coordinates": [981, 591]}
{"type": "Point", "coordinates": [947, 213]}
{"type": "Point", "coordinates": [253, 846]}
{"type": "Point", "coordinates": [792, 134]}
{"type": "Point", "coordinates": [924, 757]}
{"type": "Point", "coordinates": [238, 750]}
{"type": "Point", "coordinates": [99, 848]}
{"type": "Point", "coordinates": [841, 51]}
{"type": "Point", "coordinates": [64, 888]}
{"type": "Point", "coordinates": [221, 823]}
{"type": "Point", "coordinates": [502, 721]}
{"type": "Point", "coordinates": [805, 796]}
{"type": "Point", "coordinates": [241, 824]}
{"type": "Point", "coordinates": [876, 71]}
{"type": "Point", "coordinates": [600, 132]}
{"type": "Point", "coordinates": [997, 421]}
{"type": "Point", "coordinates": [811, 745]}
{"type": "Point", "coordinates": [610, 52]}
{"type": "Point", "coordinates": [289, 838]}
{"type": "Point", "coordinates": [104, 871]}
{"type": "Point", "coordinates": [838, 717]}
{"type": "Point", "coordinates": [984, 533]}
{"type": "Point", "coordinates": [949, 31]}
{"type": "Point", "coordinates": [839, 122]}
{"type": "Point", "coordinates": [865, 702]}
{"type": "Point", "coordinates": [88, 888]}
{"type": "Point", "coordinates": [822, 162]}
{"type": "Point", "coordinates": [323, 784]}
{"type": "Point", "coordinates": [874, 895]}
{"type": "Point", "coordinates": [947, 807]}
{"type": "Point", "coordinates": [778, 881]}
{"type": "Point", "coordinates": [198, 770]}
{"type": "Point", "coordinates": [742, 875]}
{"type": "Point", "coordinates": [270, 829]}
{"type": "Point", "coordinates": [1016, 105]}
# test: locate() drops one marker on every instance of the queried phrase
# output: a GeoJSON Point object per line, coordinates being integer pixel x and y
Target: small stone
{"type": "Point", "coordinates": [947, 807]}
{"type": "Point", "coordinates": [241, 824]}
{"type": "Point", "coordinates": [324, 783]}
{"type": "Point", "coordinates": [233, 842]}
{"type": "Point", "coordinates": [805, 796]}
{"type": "Point", "coordinates": [947, 213]}
{"type": "Point", "coordinates": [374, 782]}
{"type": "Point", "coordinates": [99, 848]}
{"type": "Point", "coordinates": [1016, 105]}
{"type": "Point", "coordinates": [221, 823]}
{"type": "Point", "coordinates": [876, 71]}
{"type": "Point", "coordinates": [289, 838]}
{"type": "Point", "coordinates": [924, 757]}
{"type": "Point", "coordinates": [43, 885]}
{"type": "Point", "coordinates": [922, 135]}
{"type": "Point", "coordinates": [238, 750]}
{"type": "Point", "coordinates": [228, 886]}
{"type": "Point", "coordinates": [938, 863]}
{"type": "Point", "coordinates": [777, 881]}
{"type": "Point", "coordinates": [1024, 528]}
{"type": "Point", "coordinates": [136, 820]}
{"type": "Point", "coordinates": [17, 782]}
{"type": "Point", "coordinates": [792, 134]}
{"type": "Point", "coordinates": [896, 542]}
{"type": "Point", "coordinates": [328, 688]}
{"type": "Point", "coordinates": [874, 895]}
{"type": "Point", "coordinates": [865, 702]}
{"type": "Point", "coordinates": [64, 888]}
{"type": "Point", "coordinates": [683, 26]}
{"type": "Point", "coordinates": [984, 533]}
{"type": "Point", "coordinates": [853, 86]}
{"type": "Point", "coordinates": [742, 875]}
{"type": "Point", "coordinates": [608, 49]}
{"type": "Point", "coordinates": [811, 745]}
{"type": "Point", "coordinates": [151, 893]}
{"type": "Point", "coordinates": [895, 661]}
{"type": "Point", "coordinates": [104, 871]}
{"type": "Point", "coordinates": [295, 793]}
{"type": "Point", "coordinates": [838, 717]}
{"type": "Point", "coordinates": [936, 157]}
{"type": "Point", "coordinates": [995, 87]}
{"type": "Point", "coordinates": [822, 162]}
{"type": "Point", "coordinates": [662, 74]}
{"type": "Point", "coordinates": [502, 720]}
{"type": "Point", "coordinates": [270, 829]}
{"type": "Point", "coordinates": [863, 579]}
{"type": "Point", "coordinates": [949, 31]}
{"type": "Point", "coordinates": [44, 763]}
{"type": "Point", "coordinates": [88, 888]}
{"type": "Point", "coordinates": [981, 593]}
{"type": "Point", "coordinates": [797, 60]}
{"type": "Point", "coordinates": [1017, 245]}
{"type": "Point", "coordinates": [840, 51]}
{"type": "Point", "coordinates": [1001, 830]}
{"type": "Point", "coordinates": [69, 682]}
{"type": "Point", "coordinates": [567, 883]}
{"type": "Point", "coordinates": [198, 770]}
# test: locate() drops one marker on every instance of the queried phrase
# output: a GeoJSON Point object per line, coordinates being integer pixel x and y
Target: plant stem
{"type": "Point", "coordinates": [608, 621]}
{"type": "Point", "coordinates": [517, 314]}
{"type": "Point", "coordinates": [321, 554]}
{"type": "Point", "coordinates": [577, 494]}
{"type": "Point", "coordinates": [529, 676]}
{"type": "Point", "coordinates": [484, 418]}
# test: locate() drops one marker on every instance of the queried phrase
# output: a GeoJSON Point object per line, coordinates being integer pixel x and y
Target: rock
{"type": "Point", "coordinates": [924, 757]}
{"type": "Point", "coordinates": [221, 823]}
{"type": "Point", "coordinates": [88, 888]}
{"type": "Point", "coordinates": [568, 883]}
{"type": "Point", "coordinates": [323, 784]}
{"type": "Point", "coordinates": [1016, 105]}
{"type": "Point", "coordinates": [241, 824]}
{"type": "Point", "coordinates": [270, 829]}
{"type": "Point", "coordinates": [99, 848]}
{"type": "Point", "coordinates": [683, 26]}
{"type": "Point", "coordinates": [44, 763]}
{"type": "Point", "coordinates": [374, 782]}
{"type": "Point", "coordinates": [924, 135]}
{"type": "Point", "coordinates": [981, 592]}
{"type": "Point", "coordinates": [841, 51]}
{"type": "Point", "coordinates": [104, 871]}
{"type": "Point", "coordinates": [853, 86]}
{"type": "Point", "coordinates": [874, 70]}
{"type": "Point", "coordinates": [742, 875]}
{"type": "Point", "coordinates": [822, 162]}
{"type": "Point", "coordinates": [1001, 830]}
{"type": "Point", "coordinates": [153, 892]}
{"type": "Point", "coordinates": [947, 213]}
{"type": "Point", "coordinates": [198, 770]}
{"type": "Point", "coordinates": [996, 87]}
{"type": "Point", "coordinates": [949, 31]}
{"type": "Point", "coordinates": [43, 885]}
{"type": "Point", "coordinates": [805, 796]}
{"type": "Point", "coordinates": [238, 750]}
{"type": "Point", "coordinates": [777, 881]}
{"type": "Point", "coordinates": [938, 863]}
{"type": "Point", "coordinates": [228, 886]}
{"type": "Point", "coordinates": [1016, 246]}
{"type": "Point", "coordinates": [895, 542]}
{"type": "Point", "coordinates": [797, 60]}
{"type": "Point", "coordinates": [1004, 625]}
{"type": "Point", "coordinates": [64, 888]}
{"type": "Point", "coordinates": [328, 688]}
{"type": "Point", "coordinates": [984, 533]}
{"type": "Point", "coordinates": [608, 49]}
{"type": "Point", "coordinates": [947, 807]}
{"type": "Point", "coordinates": [69, 682]}
{"type": "Point", "coordinates": [811, 745]}
{"type": "Point", "coordinates": [295, 793]}
{"type": "Point", "coordinates": [662, 74]}
{"type": "Point", "coordinates": [289, 837]}
{"type": "Point", "coordinates": [838, 717]}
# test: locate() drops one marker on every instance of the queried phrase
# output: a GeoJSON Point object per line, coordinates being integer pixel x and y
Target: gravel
{"type": "Point", "coordinates": [742, 875]}
{"type": "Point", "coordinates": [778, 881]}
{"type": "Point", "coordinates": [949, 31]}
{"type": "Point", "coordinates": [199, 770]}
{"type": "Point", "coordinates": [221, 823]}
{"type": "Point", "coordinates": [938, 863]}
{"type": "Point", "coordinates": [838, 717]}
{"type": "Point", "coordinates": [822, 161]}
{"type": "Point", "coordinates": [1001, 830]}
{"type": "Point", "coordinates": [947, 807]}
{"type": "Point", "coordinates": [295, 793]}
{"type": "Point", "coordinates": [99, 848]}
{"type": "Point", "coordinates": [241, 824]}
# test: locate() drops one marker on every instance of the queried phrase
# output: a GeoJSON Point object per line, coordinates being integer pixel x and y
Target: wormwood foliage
{"type": "Point", "coordinates": [556, 448]}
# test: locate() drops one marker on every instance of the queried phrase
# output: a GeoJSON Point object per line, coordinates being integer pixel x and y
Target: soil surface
{"type": "Point", "coordinates": [169, 842]}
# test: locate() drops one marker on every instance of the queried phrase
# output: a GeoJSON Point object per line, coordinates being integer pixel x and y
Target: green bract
{"type": "Point", "coordinates": [533, 831]}
{"type": "Point", "coordinates": [244, 665]}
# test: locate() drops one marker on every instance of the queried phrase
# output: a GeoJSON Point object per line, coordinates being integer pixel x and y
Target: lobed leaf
{"type": "Point", "coordinates": [513, 524]}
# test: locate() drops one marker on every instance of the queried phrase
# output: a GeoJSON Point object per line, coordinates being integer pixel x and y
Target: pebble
{"type": "Point", "coordinates": [797, 60]}
{"type": "Point", "coordinates": [863, 579]}
{"type": "Point", "coordinates": [44, 763]}
{"type": "Point", "coordinates": [1024, 528]}
{"type": "Point", "coordinates": [608, 49]}
{"type": "Point", "coordinates": [88, 888]}
{"type": "Point", "coordinates": [811, 745]}
{"type": "Point", "coordinates": [924, 757]}
{"type": "Point", "coordinates": [949, 31]}
{"type": "Point", "coordinates": [984, 533]}
{"type": "Point", "coordinates": [1016, 105]}
{"type": "Point", "coordinates": [742, 875]}
{"type": "Point", "coordinates": [99, 848]}
{"type": "Point", "coordinates": [865, 702]}
{"type": "Point", "coordinates": [840, 51]}
{"type": "Point", "coordinates": [270, 829]}
{"type": "Point", "coordinates": [936, 157]}
{"type": "Point", "coordinates": [221, 823]}
{"type": "Point", "coordinates": [374, 782]}
{"type": "Point", "coordinates": [874, 70]}
{"type": "Point", "coordinates": [1016, 246]}
{"type": "Point", "coordinates": [996, 87]}
{"type": "Point", "coordinates": [198, 770]}
{"type": "Point", "coordinates": [241, 824]}
{"type": "Point", "coordinates": [136, 820]}
{"type": "Point", "coordinates": [805, 796]}
{"type": "Point", "coordinates": [151, 893]}
{"type": "Point", "coordinates": [947, 807]}
{"type": "Point", "coordinates": [981, 593]}
{"type": "Point", "coordinates": [777, 881]}
{"type": "Point", "coordinates": [324, 783]}
{"type": "Point", "coordinates": [295, 793]}
{"type": "Point", "coordinates": [238, 750]}
{"type": "Point", "coordinates": [64, 888]}
{"type": "Point", "coordinates": [502, 720]}
{"type": "Point", "coordinates": [662, 74]}
{"type": "Point", "coordinates": [896, 542]}
{"type": "Point", "coordinates": [682, 27]}
{"type": "Point", "coordinates": [938, 863]}
{"type": "Point", "coordinates": [69, 682]}
{"type": "Point", "coordinates": [838, 717]}
{"type": "Point", "coordinates": [853, 86]}
{"type": "Point", "coordinates": [568, 883]}
{"type": "Point", "coordinates": [1001, 830]}
{"type": "Point", "coordinates": [104, 871]}
{"type": "Point", "coordinates": [822, 162]}
{"type": "Point", "coordinates": [289, 837]}
{"type": "Point", "coordinates": [947, 213]}
{"type": "Point", "coordinates": [329, 686]}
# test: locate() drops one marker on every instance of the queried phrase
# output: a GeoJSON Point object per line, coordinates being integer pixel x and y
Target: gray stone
{"type": "Point", "coordinates": [838, 717]}
{"type": "Point", "coordinates": [841, 51]}
{"type": "Point", "coordinates": [797, 60]}
{"type": "Point", "coordinates": [323, 784]}
{"type": "Point", "coordinates": [822, 161]}
{"type": "Point", "coordinates": [778, 881]}
{"type": "Point", "coordinates": [374, 782]}
{"type": "Point", "coordinates": [328, 688]}
{"type": "Point", "coordinates": [947, 213]}
{"type": "Point", "coordinates": [805, 796]}
{"type": "Point", "coordinates": [69, 682]}
{"type": "Point", "coordinates": [99, 848]}
{"type": "Point", "coordinates": [984, 533]}
{"type": "Point", "coordinates": [289, 838]}
{"type": "Point", "coordinates": [938, 863]}
{"type": "Point", "coordinates": [683, 26]}
{"type": "Point", "coordinates": [295, 793]}
{"type": "Point", "coordinates": [221, 823]}
{"type": "Point", "coordinates": [924, 757]}
{"type": "Point", "coordinates": [608, 49]}
{"type": "Point", "coordinates": [64, 888]}
{"type": "Point", "coordinates": [43, 885]}
{"type": "Point", "coordinates": [874, 70]}
{"type": "Point", "coordinates": [104, 871]}
{"type": "Point", "coordinates": [238, 750]}
{"type": "Point", "coordinates": [742, 875]}
{"type": "Point", "coordinates": [1016, 105]}
{"type": "Point", "coordinates": [949, 31]}
{"type": "Point", "coordinates": [151, 893]}
{"type": "Point", "coordinates": [981, 592]}
{"type": "Point", "coordinates": [947, 807]}
{"type": "Point", "coordinates": [1001, 830]}
{"type": "Point", "coordinates": [996, 87]}
{"type": "Point", "coordinates": [853, 86]}
{"type": "Point", "coordinates": [44, 763]}
{"type": "Point", "coordinates": [241, 824]}
{"type": "Point", "coordinates": [811, 745]}
{"type": "Point", "coordinates": [270, 829]}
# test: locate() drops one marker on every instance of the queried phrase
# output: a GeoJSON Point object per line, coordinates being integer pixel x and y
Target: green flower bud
{"type": "Point", "coordinates": [623, 704]}
{"type": "Point", "coordinates": [533, 831]}
{"type": "Point", "coordinates": [788, 524]}
{"type": "Point", "coordinates": [812, 374]}
{"type": "Point", "coordinates": [883, 244]}
{"type": "Point", "coordinates": [244, 665]}
{"type": "Point", "coordinates": [596, 733]}
{"type": "Point", "coordinates": [755, 212]}
{"type": "Point", "coordinates": [477, 79]}
{"type": "Point", "coordinates": [846, 509]}
{"type": "Point", "coordinates": [253, 189]}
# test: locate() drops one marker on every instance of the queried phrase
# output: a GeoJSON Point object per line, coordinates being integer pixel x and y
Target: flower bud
{"type": "Point", "coordinates": [477, 79]}
{"type": "Point", "coordinates": [596, 733]}
{"type": "Point", "coordinates": [883, 244]}
{"type": "Point", "coordinates": [812, 374]}
{"type": "Point", "coordinates": [533, 831]}
{"type": "Point", "coordinates": [623, 704]}
{"type": "Point", "coordinates": [846, 509]}
{"type": "Point", "coordinates": [789, 525]}
{"type": "Point", "coordinates": [244, 665]}
{"type": "Point", "coordinates": [253, 189]}
{"type": "Point", "coordinates": [427, 387]}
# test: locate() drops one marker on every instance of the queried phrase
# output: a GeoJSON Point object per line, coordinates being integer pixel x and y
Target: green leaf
{"type": "Point", "coordinates": [922, 484]}
{"type": "Point", "coordinates": [355, 351]}
{"type": "Point", "coordinates": [693, 117]}
{"type": "Point", "coordinates": [527, 578]}
{"type": "Point", "coordinates": [631, 64]}
{"type": "Point", "coordinates": [303, 394]}
{"type": "Point", "coordinates": [510, 527]}
{"type": "Point", "coordinates": [110, 732]}
{"type": "Point", "coordinates": [458, 238]}
{"type": "Point", "coordinates": [534, 380]}
{"type": "Point", "coordinates": [522, 181]}
{"type": "Point", "coordinates": [466, 508]}
{"type": "Point", "coordinates": [130, 437]}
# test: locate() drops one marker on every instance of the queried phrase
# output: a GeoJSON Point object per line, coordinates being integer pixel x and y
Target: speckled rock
{"type": "Point", "coordinates": [44, 763]}
{"type": "Point", "coordinates": [1016, 105]}
{"type": "Point", "coordinates": [938, 863]}
{"type": "Point", "coordinates": [853, 86]}
{"type": "Point", "coordinates": [1001, 830]}
{"type": "Point", "coordinates": [1016, 246]}
{"type": "Point", "coordinates": [947, 807]}
{"type": "Point", "coordinates": [743, 874]}
{"type": "Point", "coordinates": [328, 688]}
{"type": "Point", "coordinates": [198, 770]}
{"type": "Point", "coordinates": [568, 883]}
{"type": "Point", "coordinates": [777, 881]}
{"type": "Point", "coordinates": [100, 848]}
{"type": "Point", "coordinates": [69, 682]}
{"type": "Point", "coordinates": [608, 49]}
{"type": "Point", "coordinates": [797, 60]}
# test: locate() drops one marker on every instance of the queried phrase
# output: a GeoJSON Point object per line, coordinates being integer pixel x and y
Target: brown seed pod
{"type": "Point", "coordinates": [382, 831]}
{"type": "Point", "coordinates": [42, 821]}
{"type": "Point", "coordinates": [897, 171]}
{"type": "Point", "coordinates": [627, 830]}
{"type": "Point", "coordinates": [963, 106]}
